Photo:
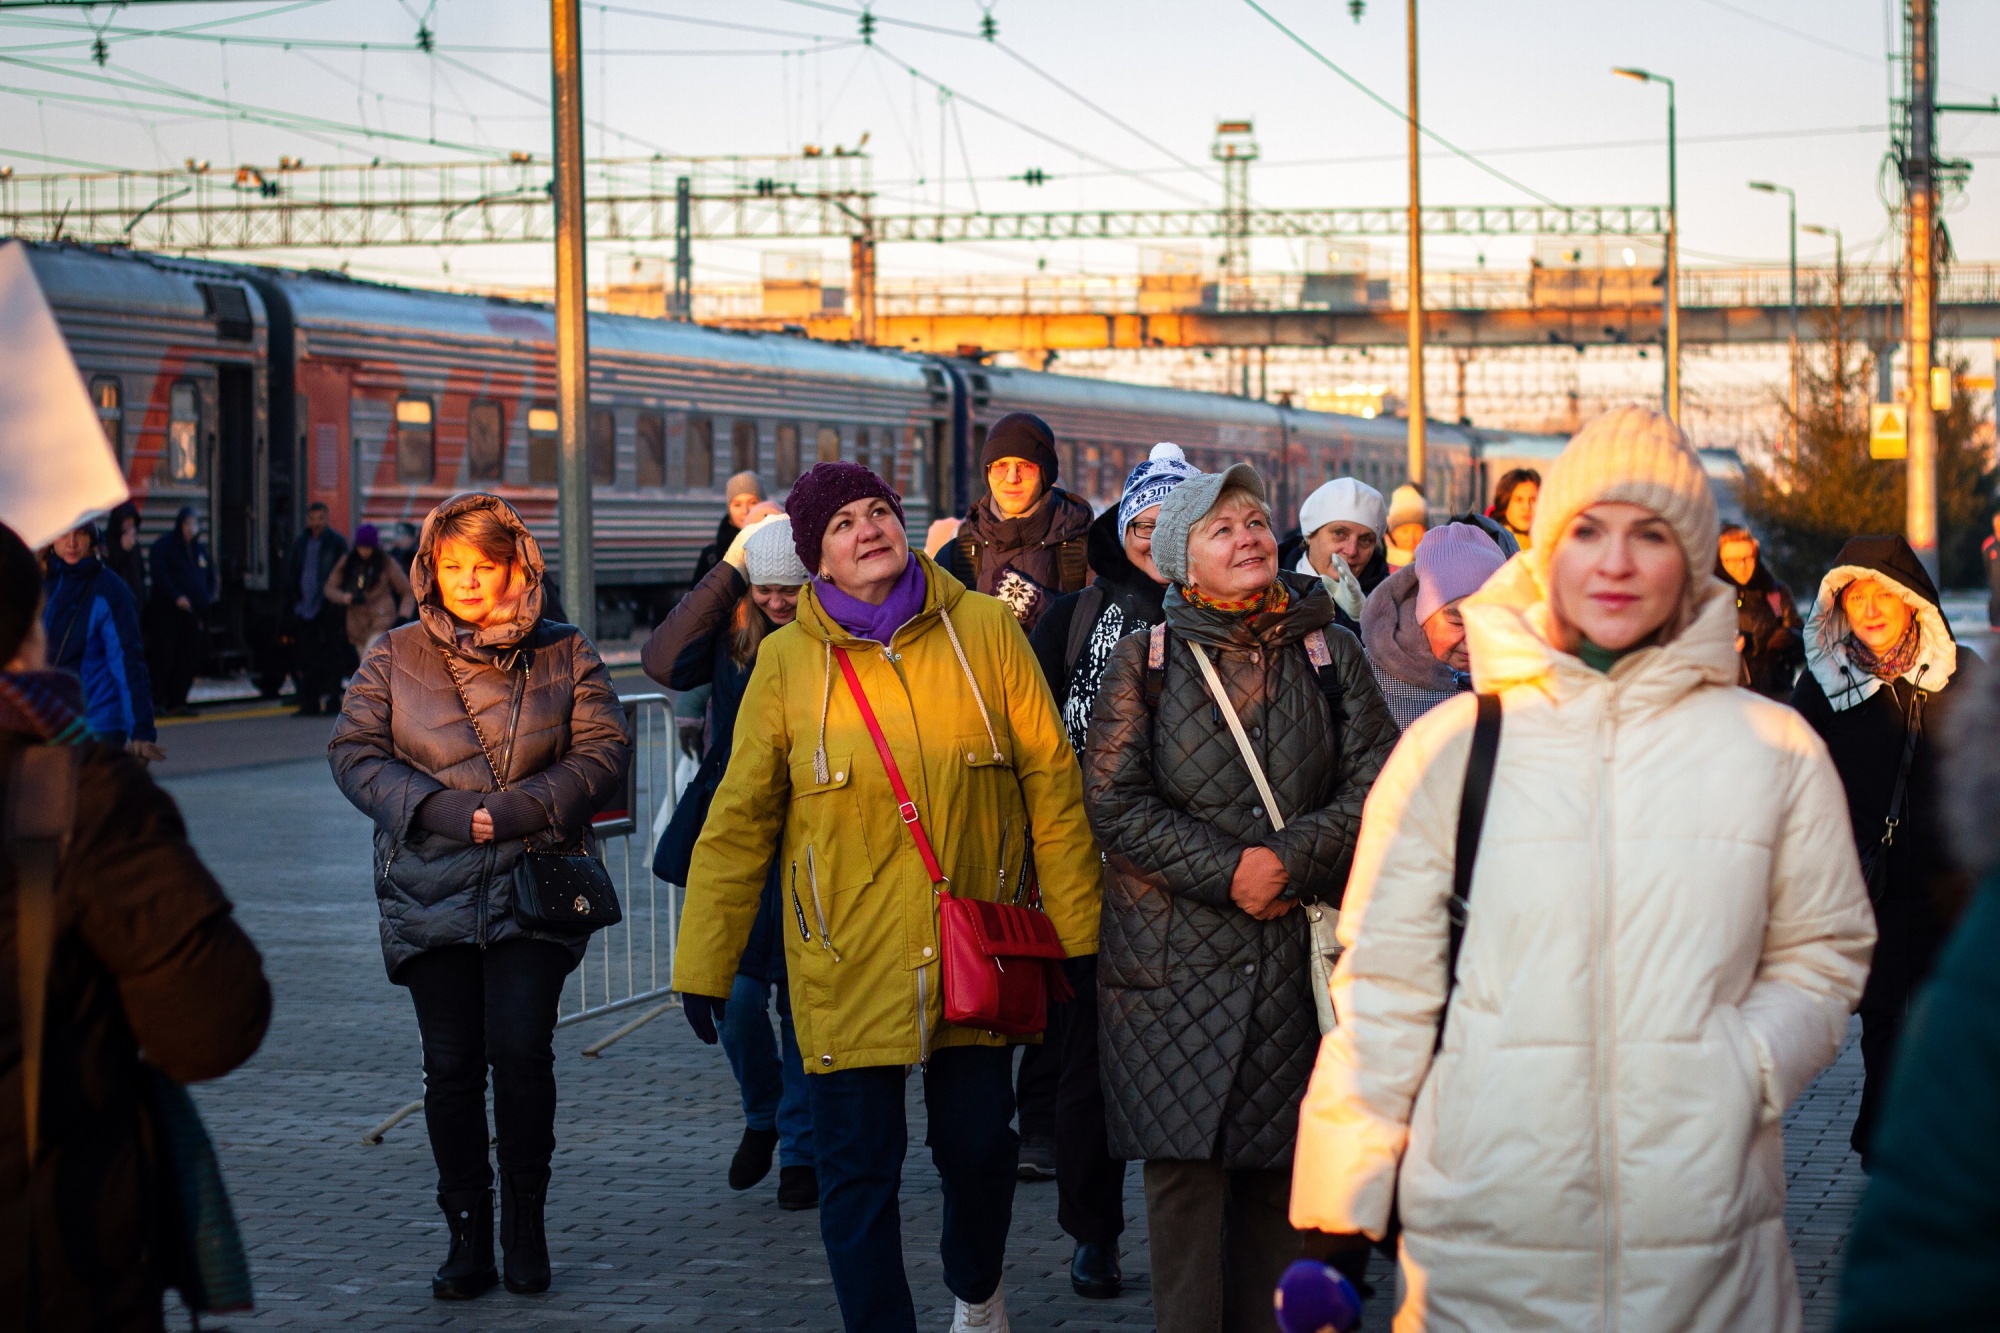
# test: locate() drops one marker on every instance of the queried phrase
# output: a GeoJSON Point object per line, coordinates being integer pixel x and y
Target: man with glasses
{"type": "Point", "coordinates": [1025, 541]}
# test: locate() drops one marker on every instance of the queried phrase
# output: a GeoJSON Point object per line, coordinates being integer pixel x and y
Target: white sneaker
{"type": "Point", "coordinates": [987, 1316]}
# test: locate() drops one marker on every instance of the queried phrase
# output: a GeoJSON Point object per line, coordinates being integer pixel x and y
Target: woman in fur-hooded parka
{"type": "Point", "coordinates": [1667, 932]}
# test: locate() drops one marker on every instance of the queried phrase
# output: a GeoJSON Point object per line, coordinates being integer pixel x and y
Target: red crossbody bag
{"type": "Point", "coordinates": [1001, 961]}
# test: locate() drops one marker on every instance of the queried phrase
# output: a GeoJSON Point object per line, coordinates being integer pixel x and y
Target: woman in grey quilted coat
{"type": "Point", "coordinates": [448, 835]}
{"type": "Point", "coordinates": [1209, 1025]}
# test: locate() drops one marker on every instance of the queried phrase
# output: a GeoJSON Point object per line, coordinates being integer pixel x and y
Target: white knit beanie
{"type": "Point", "coordinates": [1633, 455]}
{"type": "Point", "coordinates": [769, 558]}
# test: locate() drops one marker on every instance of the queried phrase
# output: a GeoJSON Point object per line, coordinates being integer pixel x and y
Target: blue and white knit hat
{"type": "Point", "coordinates": [1165, 468]}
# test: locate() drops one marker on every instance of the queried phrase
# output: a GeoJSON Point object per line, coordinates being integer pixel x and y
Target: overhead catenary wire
{"type": "Point", "coordinates": [1400, 113]}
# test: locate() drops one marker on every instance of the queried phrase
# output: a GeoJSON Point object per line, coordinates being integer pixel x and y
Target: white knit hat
{"type": "Point", "coordinates": [1344, 500]}
{"type": "Point", "coordinates": [1632, 455]}
{"type": "Point", "coordinates": [769, 557]}
{"type": "Point", "coordinates": [1407, 505]}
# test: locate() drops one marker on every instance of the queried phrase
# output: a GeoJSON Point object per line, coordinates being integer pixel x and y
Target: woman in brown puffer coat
{"type": "Point", "coordinates": [372, 587]}
{"type": "Point", "coordinates": [448, 835]}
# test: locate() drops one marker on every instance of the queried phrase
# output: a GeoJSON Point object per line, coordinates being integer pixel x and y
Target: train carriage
{"type": "Point", "coordinates": [250, 392]}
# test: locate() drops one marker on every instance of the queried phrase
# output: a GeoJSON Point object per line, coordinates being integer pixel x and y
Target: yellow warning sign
{"type": "Point", "coordinates": [1888, 431]}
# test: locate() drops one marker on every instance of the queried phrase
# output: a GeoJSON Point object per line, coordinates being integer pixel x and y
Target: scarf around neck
{"type": "Point", "coordinates": [1892, 664]}
{"type": "Point", "coordinates": [876, 623]}
{"type": "Point", "coordinates": [1271, 601]}
{"type": "Point", "coordinates": [44, 704]}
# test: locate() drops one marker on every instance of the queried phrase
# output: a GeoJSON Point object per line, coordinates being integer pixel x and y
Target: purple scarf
{"type": "Point", "coordinates": [876, 623]}
{"type": "Point", "coordinates": [44, 704]}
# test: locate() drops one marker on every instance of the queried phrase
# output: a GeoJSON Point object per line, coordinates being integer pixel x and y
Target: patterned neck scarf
{"type": "Point", "coordinates": [1894, 663]}
{"type": "Point", "coordinates": [47, 704]}
{"type": "Point", "coordinates": [1271, 601]}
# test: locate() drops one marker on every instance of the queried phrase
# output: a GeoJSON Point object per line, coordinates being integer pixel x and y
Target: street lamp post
{"type": "Point", "coordinates": [1792, 214]}
{"type": "Point", "coordinates": [1672, 296]}
{"type": "Point", "coordinates": [1418, 463]}
{"type": "Point", "coordinates": [1839, 314]}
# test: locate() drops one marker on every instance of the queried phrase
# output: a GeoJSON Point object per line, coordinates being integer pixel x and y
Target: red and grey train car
{"type": "Point", "coordinates": [250, 392]}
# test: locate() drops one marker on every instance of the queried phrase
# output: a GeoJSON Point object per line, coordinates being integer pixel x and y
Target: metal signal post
{"type": "Point", "coordinates": [1418, 463]}
{"type": "Point", "coordinates": [579, 578]}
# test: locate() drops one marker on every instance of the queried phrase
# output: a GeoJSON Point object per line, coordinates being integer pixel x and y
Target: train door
{"type": "Point", "coordinates": [239, 505]}
{"type": "Point", "coordinates": [324, 394]}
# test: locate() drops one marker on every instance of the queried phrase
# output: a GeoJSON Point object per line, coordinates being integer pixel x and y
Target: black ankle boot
{"type": "Point", "coordinates": [468, 1269]}
{"type": "Point", "coordinates": [523, 1244]}
{"type": "Point", "coordinates": [752, 1161]}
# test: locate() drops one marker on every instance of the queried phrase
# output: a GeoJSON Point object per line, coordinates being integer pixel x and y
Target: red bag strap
{"type": "Point", "coordinates": [905, 807]}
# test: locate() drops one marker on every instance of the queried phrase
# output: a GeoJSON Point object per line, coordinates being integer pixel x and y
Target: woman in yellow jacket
{"type": "Point", "coordinates": [970, 723]}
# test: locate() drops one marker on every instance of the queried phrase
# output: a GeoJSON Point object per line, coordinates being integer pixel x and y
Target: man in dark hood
{"type": "Point", "coordinates": [316, 626]}
{"type": "Point", "coordinates": [1025, 540]}
{"type": "Point", "coordinates": [1770, 637]}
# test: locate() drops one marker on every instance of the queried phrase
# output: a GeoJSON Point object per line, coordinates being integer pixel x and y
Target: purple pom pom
{"type": "Point", "coordinates": [1312, 1298]}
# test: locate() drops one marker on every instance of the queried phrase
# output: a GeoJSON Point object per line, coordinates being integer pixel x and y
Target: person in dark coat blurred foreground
{"type": "Point", "coordinates": [1925, 1252]}
{"type": "Point", "coordinates": [147, 957]}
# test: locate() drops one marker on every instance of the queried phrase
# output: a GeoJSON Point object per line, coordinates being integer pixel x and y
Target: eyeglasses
{"type": "Point", "coordinates": [1140, 529]}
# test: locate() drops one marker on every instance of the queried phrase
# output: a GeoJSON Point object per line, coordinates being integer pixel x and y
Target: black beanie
{"type": "Point", "coordinates": [1022, 435]}
{"type": "Point", "coordinates": [20, 592]}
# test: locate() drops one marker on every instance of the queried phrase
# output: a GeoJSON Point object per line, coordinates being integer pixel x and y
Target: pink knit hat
{"type": "Point", "coordinates": [1453, 561]}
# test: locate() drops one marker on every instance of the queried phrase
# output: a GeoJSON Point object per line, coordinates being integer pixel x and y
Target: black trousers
{"type": "Point", "coordinates": [1090, 1182]}
{"type": "Point", "coordinates": [319, 654]}
{"type": "Point", "coordinates": [478, 1007]}
{"type": "Point", "coordinates": [1910, 933]}
{"type": "Point", "coordinates": [174, 653]}
{"type": "Point", "coordinates": [1035, 1086]}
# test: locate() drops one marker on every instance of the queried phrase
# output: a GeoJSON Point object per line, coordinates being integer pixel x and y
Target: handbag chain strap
{"type": "Point", "coordinates": [479, 732]}
{"type": "Point", "coordinates": [905, 807]}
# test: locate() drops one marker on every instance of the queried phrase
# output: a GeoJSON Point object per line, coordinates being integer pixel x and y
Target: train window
{"type": "Point", "coordinates": [542, 429]}
{"type": "Point", "coordinates": [788, 453]}
{"type": "Point", "coordinates": [414, 438]}
{"type": "Point", "coordinates": [700, 453]}
{"type": "Point", "coordinates": [978, 442]}
{"type": "Point", "coordinates": [919, 450]}
{"type": "Point", "coordinates": [650, 460]}
{"type": "Point", "coordinates": [485, 442]}
{"type": "Point", "coordinates": [861, 448]}
{"type": "Point", "coordinates": [827, 444]}
{"type": "Point", "coordinates": [603, 446]}
{"type": "Point", "coordinates": [183, 433]}
{"type": "Point", "coordinates": [1093, 458]}
{"type": "Point", "coordinates": [743, 447]}
{"type": "Point", "coordinates": [109, 399]}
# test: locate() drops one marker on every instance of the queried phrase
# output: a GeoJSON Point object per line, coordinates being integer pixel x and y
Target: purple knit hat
{"type": "Point", "coordinates": [818, 496]}
{"type": "Point", "coordinates": [1453, 562]}
{"type": "Point", "coordinates": [366, 535]}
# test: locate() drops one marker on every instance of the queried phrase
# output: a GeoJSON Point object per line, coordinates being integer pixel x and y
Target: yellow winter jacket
{"type": "Point", "coordinates": [861, 919]}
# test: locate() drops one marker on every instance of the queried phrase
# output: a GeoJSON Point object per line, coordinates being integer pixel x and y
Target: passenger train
{"type": "Point", "coordinates": [249, 392]}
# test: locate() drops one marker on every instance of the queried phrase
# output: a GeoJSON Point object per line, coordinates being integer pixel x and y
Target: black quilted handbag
{"type": "Point", "coordinates": [562, 892]}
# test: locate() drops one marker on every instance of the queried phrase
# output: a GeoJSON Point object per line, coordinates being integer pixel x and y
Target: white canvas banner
{"type": "Point", "coordinates": [56, 467]}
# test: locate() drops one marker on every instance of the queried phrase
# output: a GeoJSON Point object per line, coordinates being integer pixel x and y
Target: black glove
{"type": "Point", "coordinates": [704, 1015]}
{"type": "Point", "coordinates": [1346, 1252]}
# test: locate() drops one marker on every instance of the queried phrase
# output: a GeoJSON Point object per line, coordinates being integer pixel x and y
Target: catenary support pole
{"type": "Point", "coordinates": [579, 582]}
{"type": "Point", "coordinates": [1673, 292]}
{"type": "Point", "coordinates": [1920, 316]}
{"type": "Point", "coordinates": [1416, 406]}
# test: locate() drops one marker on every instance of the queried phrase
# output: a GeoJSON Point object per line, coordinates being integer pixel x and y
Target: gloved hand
{"type": "Point", "coordinates": [1313, 1298]}
{"type": "Point", "coordinates": [704, 1015]}
{"type": "Point", "coordinates": [1344, 1252]}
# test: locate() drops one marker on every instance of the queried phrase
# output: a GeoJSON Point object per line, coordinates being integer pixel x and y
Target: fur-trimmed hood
{"type": "Point", "coordinates": [525, 589]}
{"type": "Point", "coordinates": [1890, 562]}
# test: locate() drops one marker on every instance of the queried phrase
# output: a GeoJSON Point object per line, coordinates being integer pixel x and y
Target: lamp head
{"type": "Point", "coordinates": [1813, 229]}
{"type": "Point", "coordinates": [1763, 187]}
{"type": "Point", "coordinates": [1628, 72]}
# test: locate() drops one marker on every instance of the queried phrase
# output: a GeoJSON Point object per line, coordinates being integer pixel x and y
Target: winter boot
{"type": "Point", "coordinates": [752, 1161]}
{"type": "Point", "coordinates": [798, 1188]}
{"type": "Point", "coordinates": [468, 1269]}
{"type": "Point", "coordinates": [523, 1245]}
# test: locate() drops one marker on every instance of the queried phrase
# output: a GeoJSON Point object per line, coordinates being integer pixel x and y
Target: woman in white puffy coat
{"type": "Point", "coordinates": [1667, 933]}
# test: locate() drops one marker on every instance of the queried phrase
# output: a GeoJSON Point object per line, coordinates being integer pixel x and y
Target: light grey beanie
{"type": "Point", "coordinates": [769, 557]}
{"type": "Point", "coordinates": [1186, 504]}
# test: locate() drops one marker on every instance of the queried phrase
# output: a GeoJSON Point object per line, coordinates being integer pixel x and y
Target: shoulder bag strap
{"type": "Point", "coordinates": [905, 807]}
{"type": "Point", "coordinates": [1221, 697]}
{"type": "Point", "coordinates": [1913, 731]}
{"type": "Point", "coordinates": [41, 809]}
{"type": "Point", "coordinates": [1471, 821]}
{"type": "Point", "coordinates": [479, 732]}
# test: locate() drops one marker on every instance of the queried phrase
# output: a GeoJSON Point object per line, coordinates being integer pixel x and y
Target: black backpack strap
{"type": "Point", "coordinates": [1073, 564]}
{"type": "Point", "coordinates": [41, 809]}
{"type": "Point", "coordinates": [1471, 820]}
{"type": "Point", "coordinates": [968, 554]}
{"type": "Point", "coordinates": [1320, 654]}
{"type": "Point", "coordinates": [1082, 620]}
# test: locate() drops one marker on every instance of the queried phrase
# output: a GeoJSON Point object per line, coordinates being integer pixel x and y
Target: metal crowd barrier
{"type": "Point", "coordinates": [629, 966]}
